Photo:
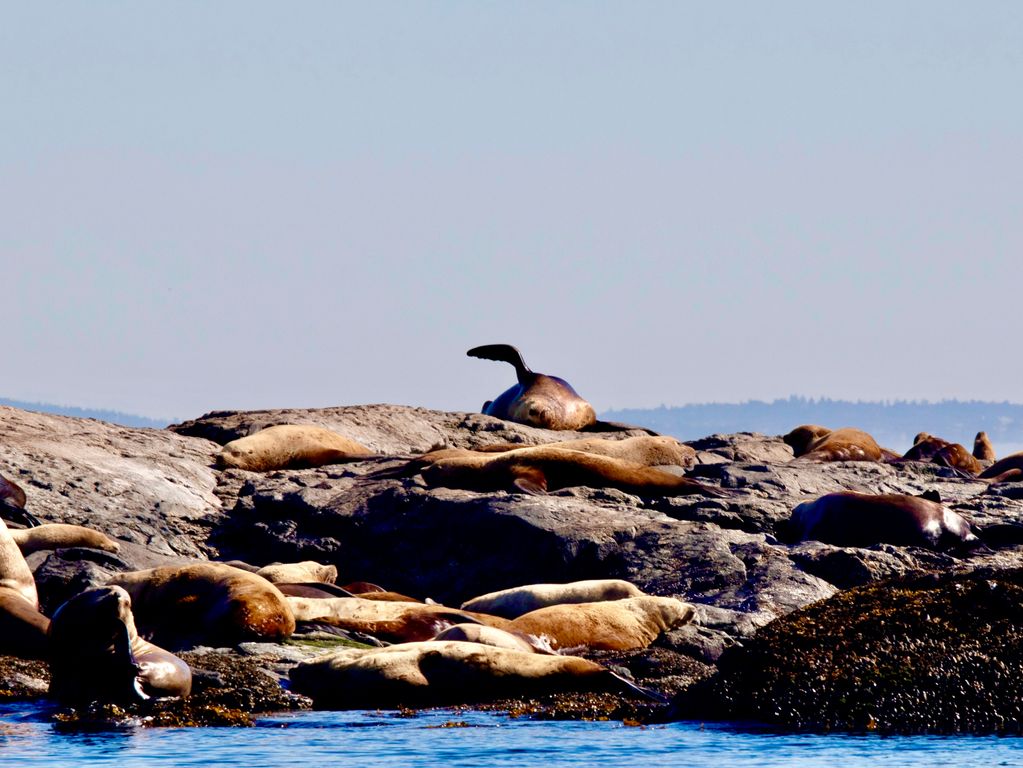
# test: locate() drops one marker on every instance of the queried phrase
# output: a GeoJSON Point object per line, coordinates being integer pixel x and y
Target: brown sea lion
{"type": "Point", "coordinates": [96, 653]}
{"type": "Point", "coordinates": [514, 602]}
{"type": "Point", "coordinates": [538, 400]}
{"type": "Point", "coordinates": [982, 448]}
{"type": "Point", "coordinates": [394, 622]}
{"type": "Point", "coordinates": [811, 442]}
{"type": "Point", "coordinates": [22, 626]}
{"type": "Point", "coordinates": [848, 519]}
{"type": "Point", "coordinates": [290, 446]}
{"type": "Point", "coordinates": [542, 469]}
{"type": "Point", "coordinates": [12, 503]}
{"type": "Point", "coordinates": [956, 456]}
{"type": "Point", "coordinates": [297, 573]}
{"type": "Point", "coordinates": [206, 604]}
{"type": "Point", "coordinates": [1006, 464]}
{"type": "Point", "coordinates": [647, 450]}
{"type": "Point", "coordinates": [435, 673]}
{"type": "Point", "coordinates": [924, 447]}
{"type": "Point", "coordinates": [61, 536]}
{"type": "Point", "coordinates": [614, 625]}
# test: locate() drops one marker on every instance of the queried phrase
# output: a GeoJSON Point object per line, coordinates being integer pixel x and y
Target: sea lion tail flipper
{"type": "Point", "coordinates": [530, 480]}
{"type": "Point", "coordinates": [16, 514]}
{"type": "Point", "coordinates": [639, 690]}
{"type": "Point", "coordinates": [504, 353]}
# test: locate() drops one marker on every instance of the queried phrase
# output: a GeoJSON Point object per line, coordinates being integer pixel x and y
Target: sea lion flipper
{"type": "Point", "coordinates": [531, 480]}
{"type": "Point", "coordinates": [504, 353]}
{"type": "Point", "coordinates": [617, 426]}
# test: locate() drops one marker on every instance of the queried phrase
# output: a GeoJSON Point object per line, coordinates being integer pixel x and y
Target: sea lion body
{"type": "Point", "coordinates": [982, 448]}
{"type": "Point", "coordinates": [614, 625]}
{"type": "Point", "coordinates": [1003, 465]}
{"type": "Point", "coordinates": [441, 673]}
{"type": "Point", "coordinates": [848, 519]}
{"type": "Point", "coordinates": [538, 400]}
{"type": "Point", "coordinates": [295, 573]}
{"type": "Point", "coordinates": [646, 450]}
{"type": "Point", "coordinates": [96, 653]}
{"type": "Point", "coordinates": [290, 446]}
{"type": "Point", "coordinates": [516, 601]}
{"type": "Point", "coordinates": [811, 442]}
{"type": "Point", "coordinates": [541, 469]}
{"type": "Point", "coordinates": [61, 536]}
{"type": "Point", "coordinates": [22, 627]}
{"type": "Point", "coordinates": [498, 638]}
{"type": "Point", "coordinates": [206, 604]}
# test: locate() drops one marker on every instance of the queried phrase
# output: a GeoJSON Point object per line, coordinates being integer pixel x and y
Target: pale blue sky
{"type": "Point", "coordinates": [243, 204]}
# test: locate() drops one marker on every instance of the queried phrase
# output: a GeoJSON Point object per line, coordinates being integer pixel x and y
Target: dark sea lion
{"type": "Point", "coordinates": [516, 601]}
{"type": "Point", "coordinates": [12, 504]}
{"type": "Point", "coordinates": [541, 469]}
{"type": "Point", "coordinates": [96, 653]}
{"type": "Point", "coordinates": [450, 672]}
{"type": "Point", "coordinates": [1000, 467]}
{"type": "Point", "coordinates": [206, 604]}
{"type": "Point", "coordinates": [925, 447]}
{"type": "Point", "coordinates": [848, 519]}
{"type": "Point", "coordinates": [811, 442]}
{"type": "Point", "coordinates": [982, 448]}
{"type": "Point", "coordinates": [290, 446]}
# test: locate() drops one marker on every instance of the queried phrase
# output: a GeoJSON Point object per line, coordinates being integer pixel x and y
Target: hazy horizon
{"type": "Point", "coordinates": [254, 205]}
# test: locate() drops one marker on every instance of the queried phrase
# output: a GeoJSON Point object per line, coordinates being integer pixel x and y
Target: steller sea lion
{"type": "Point", "coordinates": [614, 625]}
{"type": "Point", "coordinates": [298, 573]}
{"type": "Point", "coordinates": [435, 673]}
{"type": "Point", "coordinates": [513, 602]}
{"type": "Point", "coordinates": [938, 451]}
{"type": "Point", "coordinates": [538, 400]}
{"type": "Point", "coordinates": [96, 653]}
{"type": "Point", "coordinates": [499, 638]}
{"type": "Point", "coordinates": [539, 470]}
{"type": "Point", "coordinates": [1011, 462]}
{"type": "Point", "coordinates": [290, 446]}
{"type": "Point", "coordinates": [61, 536]}
{"type": "Point", "coordinates": [22, 626]}
{"type": "Point", "coordinates": [848, 519]}
{"type": "Point", "coordinates": [811, 442]}
{"type": "Point", "coordinates": [178, 606]}
{"type": "Point", "coordinates": [982, 448]}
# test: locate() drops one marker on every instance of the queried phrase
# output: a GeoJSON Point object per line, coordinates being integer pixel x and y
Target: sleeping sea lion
{"type": "Point", "coordinates": [811, 442]}
{"type": "Point", "coordinates": [499, 638]}
{"type": "Point", "coordinates": [982, 448]}
{"type": "Point", "coordinates": [515, 601]}
{"type": "Point", "coordinates": [298, 573]}
{"type": "Point", "coordinates": [290, 446]}
{"type": "Point", "coordinates": [936, 450]}
{"type": "Point", "coordinates": [435, 673]}
{"type": "Point", "coordinates": [96, 653]}
{"type": "Point", "coordinates": [22, 626]}
{"type": "Point", "coordinates": [1000, 467]}
{"type": "Point", "coordinates": [848, 519]}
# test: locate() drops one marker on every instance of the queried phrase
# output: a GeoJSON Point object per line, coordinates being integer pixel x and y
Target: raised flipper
{"type": "Point", "coordinates": [504, 353]}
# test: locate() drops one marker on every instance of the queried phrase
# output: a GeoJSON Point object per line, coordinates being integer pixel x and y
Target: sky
{"type": "Point", "coordinates": [241, 205]}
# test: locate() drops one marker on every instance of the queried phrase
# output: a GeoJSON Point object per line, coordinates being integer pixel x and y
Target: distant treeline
{"type": "Point", "coordinates": [892, 423]}
{"type": "Point", "coordinates": [114, 417]}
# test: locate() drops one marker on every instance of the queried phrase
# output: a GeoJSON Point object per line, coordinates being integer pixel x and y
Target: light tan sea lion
{"type": "Point", "coordinates": [538, 400]}
{"type": "Point", "coordinates": [436, 673]}
{"type": "Point", "coordinates": [982, 448]}
{"type": "Point", "coordinates": [516, 601]}
{"type": "Point", "coordinates": [542, 469]}
{"type": "Point", "coordinates": [61, 536]}
{"type": "Point", "coordinates": [848, 519]}
{"type": "Point", "coordinates": [22, 626]}
{"type": "Point", "coordinates": [1010, 462]}
{"type": "Point", "coordinates": [393, 622]}
{"type": "Point", "coordinates": [614, 625]}
{"type": "Point", "coordinates": [498, 638]}
{"type": "Point", "coordinates": [290, 446]}
{"type": "Point", "coordinates": [96, 653]}
{"type": "Point", "coordinates": [811, 442]}
{"type": "Point", "coordinates": [647, 450]}
{"type": "Point", "coordinates": [206, 604]}
{"type": "Point", "coordinates": [296, 573]}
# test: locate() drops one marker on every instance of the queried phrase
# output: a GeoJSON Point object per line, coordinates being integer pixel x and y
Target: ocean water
{"type": "Point", "coordinates": [451, 738]}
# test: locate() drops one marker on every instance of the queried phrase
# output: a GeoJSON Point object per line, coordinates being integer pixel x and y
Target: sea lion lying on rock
{"type": "Point", "coordinates": [811, 442]}
{"type": "Point", "coordinates": [297, 573]}
{"type": "Point", "coordinates": [206, 604]}
{"type": "Point", "coordinates": [96, 653]}
{"type": "Point", "coordinates": [996, 471]}
{"type": "Point", "coordinates": [516, 601]}
{"type": "Point", "coordinates": [499, 638]}
{"type": "Point", "coordinates": [615, 625]}
{"type": "Point", "coordinates": [22, 627]}
{"type": "Point", "coordinates": [647, 450]}
{"type": "Point", "coordinates": [436, 673]}
{"type": "Point", "coordinates": [61, 536]}
{"type": "Point", "coordinates": [938, 451]}
{"type": "Point", "coordinates": [290, 446]}
{"type": "Point", "coordinates": [848, 519]}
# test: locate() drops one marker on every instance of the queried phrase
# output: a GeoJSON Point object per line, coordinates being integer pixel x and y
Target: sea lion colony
{"type": "Point", "coordinates": [513, 642]}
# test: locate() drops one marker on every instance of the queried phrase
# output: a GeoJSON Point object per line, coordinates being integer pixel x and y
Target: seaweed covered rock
{"type": "Point", "coordinates": [932, 654]}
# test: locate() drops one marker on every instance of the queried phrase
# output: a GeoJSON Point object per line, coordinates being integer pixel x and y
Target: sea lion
{"type": "Point", "coordinates": [848, 519]}
{"type": "Point", "coordinates": [514, 602]}
{"type": "Point", "coordinates": [614, 625]}
{"type": "Point", "coordinates": [61, 536]}
{"type": "Point", "coordinates": [178, 606]}
{"type": "Point", "coordinates": [542, 469]}
{"type": "Point", "coordinates": [22, 626]}
{"type": "Point", "coordinates": [393, 622]}
{"type": "Point", "coordinates": [925, 447]}
{"type": "Point", "coordinates": [290, 446]}
{"type": "Point", "coordinates": [811, 442]}
{"type": "Point", "coordinates": [298, 573]}
{"type": "Point", "coordinates": [936, 450]}
{"type": "Point", "coordinates": [982, 448]}
{"type": "Point", "coordinates": [498, 638]}
{"type": "Point", "coordinates": [435, 673]}
{"type": "Point", "coordinates": [12, 503]}
{"type": "Point", "coordinates": [538, 400]}
{"type": "Point", "coordinates": [96, 653]}
{"type": "Point", "coordinates": [1010, 462]}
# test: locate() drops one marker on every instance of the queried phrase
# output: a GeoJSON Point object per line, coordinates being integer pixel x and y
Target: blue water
{"type": "Point", "coordinates": [377, 739]}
